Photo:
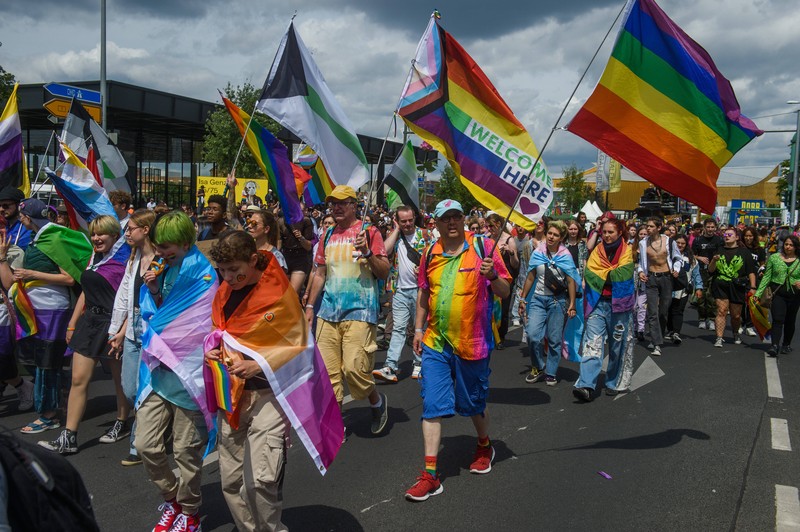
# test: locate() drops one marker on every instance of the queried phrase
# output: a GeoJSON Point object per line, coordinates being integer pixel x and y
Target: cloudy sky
{"type": "Point", "coordinates": [534, 51]}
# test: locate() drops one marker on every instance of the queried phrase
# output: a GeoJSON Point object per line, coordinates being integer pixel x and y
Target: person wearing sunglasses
{"type": "Point", "coordinates": [734, 275]}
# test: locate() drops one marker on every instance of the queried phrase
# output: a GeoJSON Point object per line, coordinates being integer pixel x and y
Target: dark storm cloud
{"type": "Point", "coordinates": [467, 19]}
{"type": "Point", "coordinates": [164, 9]}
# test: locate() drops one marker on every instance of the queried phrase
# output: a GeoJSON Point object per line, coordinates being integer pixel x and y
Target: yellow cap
{"type": "Point", "coordinates": [342, 192]}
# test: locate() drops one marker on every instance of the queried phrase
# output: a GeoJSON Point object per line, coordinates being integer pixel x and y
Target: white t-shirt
{"type": "Point", "coordinates": [406, 276]}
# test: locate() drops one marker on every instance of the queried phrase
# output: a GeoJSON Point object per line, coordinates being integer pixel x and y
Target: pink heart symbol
{"type": "Point", "coordinates": [528, 207]}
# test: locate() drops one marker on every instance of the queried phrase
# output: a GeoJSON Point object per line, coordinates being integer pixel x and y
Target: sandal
{"type": "Point", "coordinates": [40, 425]}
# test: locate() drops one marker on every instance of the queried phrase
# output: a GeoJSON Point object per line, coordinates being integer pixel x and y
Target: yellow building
{"type": "Point", "coordinates": [745, 182]}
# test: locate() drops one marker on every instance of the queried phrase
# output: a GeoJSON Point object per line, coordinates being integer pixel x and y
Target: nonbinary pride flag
{"type": "Point", "coordinates": [13, 166]}
{"type": "Point", "coordinates": [663, 110]}
{"type": "Point", "coordinates": [402, 178]}
{"type": "Point", "coordinates": [272, 158]}
{"type": "Point", "coordinates": [450, 103]}
{"type": "Point", "coordinates": [297, 97]}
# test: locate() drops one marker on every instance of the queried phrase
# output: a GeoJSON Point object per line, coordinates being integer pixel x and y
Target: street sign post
{"type": "Point", "coordinates": [68, 92]}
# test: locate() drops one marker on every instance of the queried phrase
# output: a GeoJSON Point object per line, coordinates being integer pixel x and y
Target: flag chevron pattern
{"type": "Point", "coordinates": [297, 97]}
{"type": "Point", "coordinates": [13, 165]}
{"type": "Point", "coordinates": [272, 158]}
{"type": "Point", "coordinates": [663, 110]}
{"type": "Point", "coordinates": [320, 185]}
{"type": "Point", "coordinates": [402, 178]}
{"type": "Point", "coordinates": [451, 104]}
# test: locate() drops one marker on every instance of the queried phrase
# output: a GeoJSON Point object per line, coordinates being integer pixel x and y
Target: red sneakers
{"type": "Point", "coordinates": [186, 523]}
{"type": "Point", "coordinates": [169, 512]}
{"type": "Point", "coordinates": [482, 463]}
{"type": "Point", "coordinates": [426, 486]}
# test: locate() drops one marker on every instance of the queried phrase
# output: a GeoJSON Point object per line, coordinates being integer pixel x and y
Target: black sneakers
{"type": "Point", "coordinates": [583, 395]}
{"type": "Point", "coordinates": [66, 443]}
{"type": "Point", "coordinates": [380, 416]}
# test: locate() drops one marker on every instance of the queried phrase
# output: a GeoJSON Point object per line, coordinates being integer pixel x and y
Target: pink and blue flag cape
{"type": "Point", "coordinates": [173, 333]}
{"type": "Point", "coordinates": [573, 328]}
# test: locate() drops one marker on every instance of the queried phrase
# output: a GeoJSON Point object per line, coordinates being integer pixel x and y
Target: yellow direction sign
{"type": "Point", "coordinates": [60, 108]}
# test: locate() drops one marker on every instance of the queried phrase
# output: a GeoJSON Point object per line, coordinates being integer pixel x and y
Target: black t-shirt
{"type": "Point", "coordinates": [707, 246]}
{"type": "Point", "coordinates": [138, 282]}
{"type": "Point", "coordinates": [97, 291]}
{"type": "Point", "coordinates": [573, 250]}
{"type": "Point", "coordinates": [730, 267]}
{"type": "Point", "coordinates": [759, 255]}
{"type": "Point", "coordinates": [235, 299]}
{"type": "Point", "coordinates": [289, 242]}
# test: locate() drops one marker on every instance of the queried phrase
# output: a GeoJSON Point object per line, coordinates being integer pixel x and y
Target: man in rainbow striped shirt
{"type": "Point", "coordinates": [459, 275]}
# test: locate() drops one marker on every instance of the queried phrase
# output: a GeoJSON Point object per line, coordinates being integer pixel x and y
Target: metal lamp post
{"type": "Point", "coordinates": [793, 211]}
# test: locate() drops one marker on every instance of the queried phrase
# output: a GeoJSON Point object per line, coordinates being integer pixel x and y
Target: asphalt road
{"type": "Point", "coordinates": [691, 448]}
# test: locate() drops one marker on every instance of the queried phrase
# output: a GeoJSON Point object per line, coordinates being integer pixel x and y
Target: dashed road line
{"type": "Point", "coordinates": [780, 435]}
{"type": "Point", "coordinates": [787, 509]}
{"type": "Point", "coordinates": [774, 388]}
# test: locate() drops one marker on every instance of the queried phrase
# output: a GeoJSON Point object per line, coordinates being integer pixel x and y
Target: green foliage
{"type": "Point", "coordinates": [222, 138]}
{"type": "Point", "coordinates": [784, 183]}
{"type": "Point", "coordinates": [7, 81]}
{"type": "Point", "coordinates": [451, 187]}
{"type": "Point", "coordinates": [574, 190]}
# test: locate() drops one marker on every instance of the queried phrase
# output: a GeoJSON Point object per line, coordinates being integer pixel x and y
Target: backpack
{"type": "Point", "coordinates": [45, 492]}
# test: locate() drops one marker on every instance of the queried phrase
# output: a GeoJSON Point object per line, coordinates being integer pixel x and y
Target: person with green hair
{"type": "Point", "coordinates": [175, 304]}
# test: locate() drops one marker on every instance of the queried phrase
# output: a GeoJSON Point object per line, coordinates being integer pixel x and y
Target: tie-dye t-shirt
{"type": "Point", "coordinates": [351, 290]}
{"type": "Point", "coordinates": [460, 307]}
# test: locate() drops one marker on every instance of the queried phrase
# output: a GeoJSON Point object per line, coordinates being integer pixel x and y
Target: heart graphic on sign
{"type": "Point", "coordinates": [527, 207]}
{"type": "Point", "coordinates": [269, 316]}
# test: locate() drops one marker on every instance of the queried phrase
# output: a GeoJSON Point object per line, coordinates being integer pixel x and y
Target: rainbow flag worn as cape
{"type": "Point", "coordinates": [173, 333]}
{"type": "Point", "coordinates": [269, 327]}
{"type": "Point", "coordinates": [663, 110]}
{"type": "Point", "coordinates": [451, 104]}
{"type": "Point", "coordinates": [272, 158]}
{"type": "Point", "coordinates": [619, 269]}
{"type": "Point", "coordinates": [573, 328]}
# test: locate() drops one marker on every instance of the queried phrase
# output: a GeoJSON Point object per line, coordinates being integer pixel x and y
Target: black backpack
{"type": "Point", "coordinates": [45, 492]}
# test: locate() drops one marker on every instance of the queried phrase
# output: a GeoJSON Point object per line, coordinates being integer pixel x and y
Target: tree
{"type": "Point", "coordinates": [574, 190]}
{"type": "Point", "coordinates": [784, 183]}
{"type": "Point", "coordinates": [222, 139]}
{"type": "Point", "coordinates": [451, 187]}
{"type": "Point", "coordinates": [7, 81]}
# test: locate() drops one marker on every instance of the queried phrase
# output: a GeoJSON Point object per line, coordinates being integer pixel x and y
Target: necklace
{"type": "Point", "coordinates": [660, 245]}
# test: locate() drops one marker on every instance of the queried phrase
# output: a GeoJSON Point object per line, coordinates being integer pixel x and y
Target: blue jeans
{"type": "Point", "coordinates": [131, 360]}
{"type": "Point", "coordinates": [404, 308]}
{"type": "Point", "coordinates": [601, 325]}
{"type": "Point", "coordinates": [546, 315]}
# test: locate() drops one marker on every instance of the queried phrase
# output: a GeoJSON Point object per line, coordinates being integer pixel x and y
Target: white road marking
{"type": "Point", "coordinates": [774, 388]}
{"type": "Point", "coordinates": [787, 509]}
{"type": "Point", "coordinates": [368, 508]}
{"type": "Point", "coordinates": [780, 435]}
{"type": "Point", "coordinates": [646, 373]}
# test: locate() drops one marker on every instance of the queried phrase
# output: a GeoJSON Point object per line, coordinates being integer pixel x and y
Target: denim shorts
{"type": "Point", "coordinates": [451, 385]}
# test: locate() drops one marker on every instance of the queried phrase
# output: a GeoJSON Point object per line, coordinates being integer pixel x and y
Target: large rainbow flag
{"type": "Point", "coordinates": [272, 158]}
{"type": "Point", "coordinates": [269, 327]}
{"type": "Point", "coordinates": [663, 110]}
{"type": "Point", "coordinates": [173, 333]}
{"type": "Point", "coordinates": [450, 103]}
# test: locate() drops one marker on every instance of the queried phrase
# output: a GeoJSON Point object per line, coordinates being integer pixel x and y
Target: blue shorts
{"type": "Point", "coordinates": [452, 385]}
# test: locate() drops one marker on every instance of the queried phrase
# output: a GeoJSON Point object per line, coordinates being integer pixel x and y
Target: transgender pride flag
{"type": "Point", "coordinates": [173, 333]}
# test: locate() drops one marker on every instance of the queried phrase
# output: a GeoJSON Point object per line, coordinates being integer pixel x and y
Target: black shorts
{"type": "Point", "coordinates": [297, 260]}
{"type": "Point", "coordinates": [733, 291]}
{"type": "Point", "coordinates": [90, 338]}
